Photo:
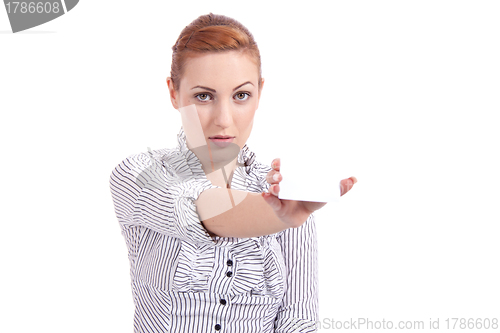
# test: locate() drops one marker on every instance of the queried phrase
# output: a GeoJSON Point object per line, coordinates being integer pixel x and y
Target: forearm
{"type": "Point", "coordinates": [233, 213]}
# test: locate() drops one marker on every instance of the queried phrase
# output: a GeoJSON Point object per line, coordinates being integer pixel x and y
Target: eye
{"type": "Point", "coordinates": [203, 97]}
{"type": "Point", "coordinates": [242, 96]}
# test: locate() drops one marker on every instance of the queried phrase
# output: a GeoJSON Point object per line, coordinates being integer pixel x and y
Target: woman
{"type": "Point", "coordinates": [210, 244]}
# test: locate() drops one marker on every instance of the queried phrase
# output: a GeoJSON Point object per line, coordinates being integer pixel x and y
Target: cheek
{"type": "Point", "coordinates": [185, 99]}
{"type": "Point", "coordinates": [205, 120]}
{"type": "Point", "coordinates": [245, 119]}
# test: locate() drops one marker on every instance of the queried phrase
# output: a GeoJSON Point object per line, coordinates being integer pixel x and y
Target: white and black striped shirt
{"type": "Point", "coordinates": [184, 280]}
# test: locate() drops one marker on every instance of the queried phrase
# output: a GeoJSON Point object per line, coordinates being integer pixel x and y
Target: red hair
{"type": "Point", "coordinates": [211, 33]}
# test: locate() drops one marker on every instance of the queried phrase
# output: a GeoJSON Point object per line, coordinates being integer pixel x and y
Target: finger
{"type": "Point", "coordinates": [276, 164]}
{"type": "Point", "coordinates": [272, 200]}
{"type": "Point", "coordinates": [274, 177]}
{"type": "Point", "coordinates": [274, 189]}
{"type": "Point", "coordinates": [347, 184]}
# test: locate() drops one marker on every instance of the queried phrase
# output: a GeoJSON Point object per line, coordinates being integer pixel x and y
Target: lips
{"type": "Point", "coordinates": [222, 141]}
{"type": "Point", "coordinates": [221, 137]}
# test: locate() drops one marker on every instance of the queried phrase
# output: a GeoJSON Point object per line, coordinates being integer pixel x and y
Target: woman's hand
{"type": "Point", "coordinates": [291, 212]}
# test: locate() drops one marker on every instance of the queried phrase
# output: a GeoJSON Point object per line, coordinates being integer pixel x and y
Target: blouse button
{"type": "Point", "coordinates": [229, 262]}
{"type": "Point", "coordinates": [217, 327]}
{"type": "Point", "coordinates": [223, 301]}
{"type": "Point", "coordinates": [229, 274]}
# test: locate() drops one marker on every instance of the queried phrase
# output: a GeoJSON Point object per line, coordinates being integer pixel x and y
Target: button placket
{"type": "Point", "coordinates": [229, 263]}
{"type": "Point", "coordinates": [222, 312]}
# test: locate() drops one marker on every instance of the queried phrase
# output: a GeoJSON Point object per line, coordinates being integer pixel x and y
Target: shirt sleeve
{"type": "Point", "coordinates": [146, 194]}
{"type": "Point", "coordinates": [299, 309]}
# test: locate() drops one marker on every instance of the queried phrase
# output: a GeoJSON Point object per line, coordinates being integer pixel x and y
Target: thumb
{"type": "Point", "coordinates": [272, 200]}
{"type": "Point", "coordinates": [347, 184]}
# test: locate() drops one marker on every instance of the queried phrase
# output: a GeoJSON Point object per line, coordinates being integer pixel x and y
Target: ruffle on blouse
{"type": "Point", "coordinates": [196, 262]}
{"type": "Point", "coordinates": [258, 271]}
{"type": "Point", "coordinates": [259, 266]}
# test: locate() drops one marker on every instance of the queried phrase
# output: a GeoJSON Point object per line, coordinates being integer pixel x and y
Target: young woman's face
{"type": "Point", "coordinates": [225, 91]}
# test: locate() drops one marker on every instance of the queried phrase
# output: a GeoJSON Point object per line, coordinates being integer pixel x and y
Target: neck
{"type": "Point", "coordinates": [219, 172]}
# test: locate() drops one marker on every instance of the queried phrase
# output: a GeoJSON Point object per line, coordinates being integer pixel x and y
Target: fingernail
{"type": "Point", "coordinates": [275, 164]}
{"type": "Point", "coordinates": [276, 176]}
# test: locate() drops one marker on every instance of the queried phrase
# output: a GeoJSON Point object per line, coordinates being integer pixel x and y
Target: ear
{"type": "Point", "coordinates": [173, 94]}
{"type": "Point", "coordinates": [261, 86]}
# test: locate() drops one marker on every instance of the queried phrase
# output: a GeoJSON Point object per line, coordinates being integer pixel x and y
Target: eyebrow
{"type": "Point", "coordinates": [213, 90]}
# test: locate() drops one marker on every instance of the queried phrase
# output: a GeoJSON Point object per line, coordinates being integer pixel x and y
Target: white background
{"type": "Point", "coordinates": [404, 95]}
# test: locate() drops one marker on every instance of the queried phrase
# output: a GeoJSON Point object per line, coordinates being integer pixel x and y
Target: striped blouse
{"type": "Point", "coordinates": [184, 280]}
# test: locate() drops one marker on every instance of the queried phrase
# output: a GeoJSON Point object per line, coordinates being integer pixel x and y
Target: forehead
{"type": "Point", "coordinates": [219, 70]}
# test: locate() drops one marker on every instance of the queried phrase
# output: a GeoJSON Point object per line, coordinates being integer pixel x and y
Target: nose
{"type": "Point", "coordinates": [223, 115]}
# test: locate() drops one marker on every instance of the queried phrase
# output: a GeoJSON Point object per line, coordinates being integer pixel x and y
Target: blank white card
{"type": "Point", "coordinates": [305, 180]}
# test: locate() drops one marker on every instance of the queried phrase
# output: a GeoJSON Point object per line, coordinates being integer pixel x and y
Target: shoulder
{"type": "Point", "coordinates": [136, 166]}
{"type": "Point", "coordinates": [148, 158]}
